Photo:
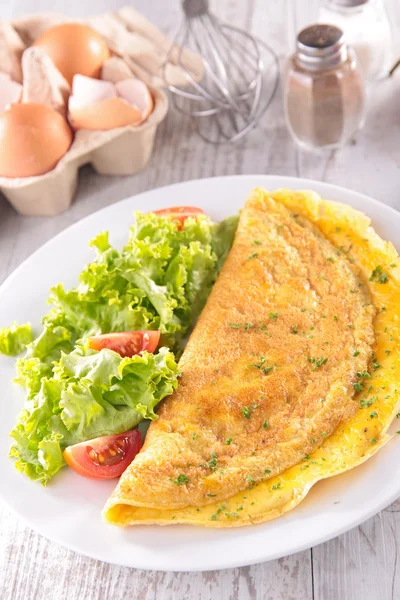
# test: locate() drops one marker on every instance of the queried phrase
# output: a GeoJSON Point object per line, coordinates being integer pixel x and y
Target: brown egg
{"type": "Point", "coordinates": [33, 138]}
{"type": "Point", "coordinates": [75, 49]}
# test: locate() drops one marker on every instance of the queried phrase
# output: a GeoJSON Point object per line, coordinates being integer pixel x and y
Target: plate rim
{"type": "Point", "coordinates": [218, 563]}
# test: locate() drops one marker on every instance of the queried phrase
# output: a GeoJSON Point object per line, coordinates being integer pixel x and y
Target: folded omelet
{"type": "Point", "coordinates": [291, 375]}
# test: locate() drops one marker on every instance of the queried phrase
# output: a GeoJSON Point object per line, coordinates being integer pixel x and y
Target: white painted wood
{"type": "Point", "coordinates": [360, 564]}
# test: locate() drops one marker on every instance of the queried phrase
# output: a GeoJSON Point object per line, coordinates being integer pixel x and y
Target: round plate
{"type": "Point", "coordinates": [68, 510]}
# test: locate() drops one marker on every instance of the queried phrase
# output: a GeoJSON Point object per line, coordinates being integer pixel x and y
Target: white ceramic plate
{"type": "Point", "coordinates": [68, 510]}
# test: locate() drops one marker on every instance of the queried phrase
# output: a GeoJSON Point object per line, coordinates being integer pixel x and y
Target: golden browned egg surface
{"type": "Point", "coordinates": [276, 363]}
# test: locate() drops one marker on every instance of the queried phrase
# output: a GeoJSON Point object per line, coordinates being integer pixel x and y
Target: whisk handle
{"type": "Point", "coordinates": [194, 8]}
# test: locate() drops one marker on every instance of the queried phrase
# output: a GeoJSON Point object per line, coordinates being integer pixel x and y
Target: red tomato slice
{"type": "Point", "coordinates": [126, 343]}
{"type": "Point", "coordinates": [179, 213]}
{"type": "Point", "coordinates": [104, 457]}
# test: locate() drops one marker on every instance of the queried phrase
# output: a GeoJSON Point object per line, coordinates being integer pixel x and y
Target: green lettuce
{"type": "Point", "coordinates": [90, 394]}
{"type": "Point", "coordinates": [222, 240]}
{"type": "Point", "coordinates": [14, 339]}
{"type": "Point", "coordinates": [160, 280]}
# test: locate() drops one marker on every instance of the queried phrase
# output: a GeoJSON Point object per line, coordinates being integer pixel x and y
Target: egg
{"type": "Point", "coordinates": [33, 138]}
{"type": "Point", "coordinates": [104, 105]}
{"type": "Point", "coordinates": [75, 49]}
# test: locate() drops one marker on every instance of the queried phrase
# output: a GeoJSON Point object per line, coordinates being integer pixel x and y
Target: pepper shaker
{"type": "Point", "coordinates": [324, 89]}
{"type": "Point", "coordinates": [367, 30]}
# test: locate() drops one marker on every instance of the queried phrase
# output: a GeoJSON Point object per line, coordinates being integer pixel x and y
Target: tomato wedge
{"type": "Point", "coordinates": [179, 213]}
{"type": "Point", "coordinates": [126, 343]}
{"type": "Point", "coordinates": [104, 457]}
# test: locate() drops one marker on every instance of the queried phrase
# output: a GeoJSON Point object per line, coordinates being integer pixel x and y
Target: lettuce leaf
{"type": "Point", "coordinates": [14, 339]}
{"type": "Point", "coordinates": [222, 240]}
{"type": "Point", "coordinates": [90, 394]}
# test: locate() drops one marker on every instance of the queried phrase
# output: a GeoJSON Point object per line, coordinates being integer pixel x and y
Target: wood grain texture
{"type": "Point", "coordinates": [362, 563]}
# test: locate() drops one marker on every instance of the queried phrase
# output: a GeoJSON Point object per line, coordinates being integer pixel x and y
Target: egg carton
{"type": "Point", "coordinates": [139, 49]}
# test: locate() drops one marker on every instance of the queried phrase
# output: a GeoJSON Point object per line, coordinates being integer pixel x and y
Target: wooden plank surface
{"type": "Point", "coordinates": [362, 563]}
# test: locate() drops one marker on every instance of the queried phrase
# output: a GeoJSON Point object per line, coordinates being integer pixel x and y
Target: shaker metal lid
{"type": "Point", "coordinates": [347, 3]}
{"type": "Point", "coordinates": [321, 46]}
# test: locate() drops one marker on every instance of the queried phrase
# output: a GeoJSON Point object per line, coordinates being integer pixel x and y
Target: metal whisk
{"type": "Point", "coordinates": [240, 78]}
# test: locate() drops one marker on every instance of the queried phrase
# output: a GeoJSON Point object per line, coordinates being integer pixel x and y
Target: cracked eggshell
{"type": "Point", "coordinates": [105, 115]}
{"type": "Point", "coordinates": [87, 91]}
{"type": "Point", "coordinates": [102, 105]}
{"type": "Point", "coordinates": [137, 94]}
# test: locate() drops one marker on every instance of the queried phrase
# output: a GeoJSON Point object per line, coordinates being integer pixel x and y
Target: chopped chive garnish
{"type": "Point", "coordinates": [317, 362]}
{"type": "Point", "coordinates": [212, 463]}
{"type": "Point", "coordinates": [246, 412]}
{"type": "Point", "coordinates": [363, 375]}
{"type": "Point", "coordinates": [378, 275]}
{"type": "Point", "coordinates": [375, 365]}
{"type": "Point", "coordinates": [181, 479]}
{"type": "Point", "coordinates": [214, 517]}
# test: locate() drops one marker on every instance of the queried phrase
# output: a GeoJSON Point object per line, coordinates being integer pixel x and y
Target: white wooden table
{"type": "Point", "coordinates": [361, 564]}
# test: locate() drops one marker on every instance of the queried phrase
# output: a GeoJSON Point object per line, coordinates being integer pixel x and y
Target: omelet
{"type": "Point", "coordinates": [291, 374]}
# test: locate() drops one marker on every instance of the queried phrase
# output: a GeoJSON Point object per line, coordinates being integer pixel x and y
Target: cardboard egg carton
{"type": "Point", "coordinates": [139, 49]}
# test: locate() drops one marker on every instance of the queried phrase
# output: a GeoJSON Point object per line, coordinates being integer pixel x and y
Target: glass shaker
{"type": "Point", "coordinates": [324, 89]}
{"type": "Point", "coordinates": [367, 30]}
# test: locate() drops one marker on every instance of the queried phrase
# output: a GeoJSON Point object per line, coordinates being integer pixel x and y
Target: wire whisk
{"type": "Point", "coordinates": [240, 78]}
